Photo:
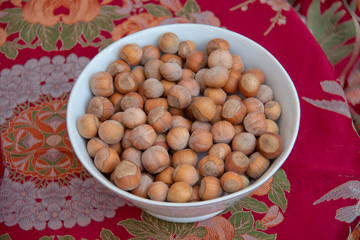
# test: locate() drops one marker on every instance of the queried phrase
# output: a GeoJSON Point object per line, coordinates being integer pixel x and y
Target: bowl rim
{"type": "Point", "coordinates": [236, 195]}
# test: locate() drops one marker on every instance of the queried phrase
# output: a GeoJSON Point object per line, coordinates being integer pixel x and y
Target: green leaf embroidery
{"type": "Point", "coordinates": [190, 6]}
{"type": "Point", "coordinates": [70, 35]}
{"type": "Point", "coordinates": [262, 236]}
{"type": "Point", "coordinates": [47, 238]}
{"type": "Point", "coordinates": [5, 237]}
{"type": "Point", "coordinates": [9, 50]}
{"type": "Point", "coordinates": [242, 222]}
{"type": "Point", "coordinates": [277, 196]}
{"type": "Point", "coordinates": [14, 20]}
{"type": "Point", "coordinates": [107, 235]}
{"type": "Point", "coordinates": [281, 180]}
{"type": "Point", "coordinates": [66, 237]}
{"type": "Point", "coordinates": [90, 31]}
{"type": "Point", "coordinates": [157, 10]}
{"type": "Point", "coordinates": [332, 36]}
{"type": "Point", "coordinates": [28, 32]}
{"type": "Point", "coordinates": [105, 43]}
{"type": "Point", "coordinates": [253, 205]}
{"type": "Point", "coordinates": [49, 36]}
{"type": "Point", "coordinates": [107, 15]}
{"type": "Point", "coordinates": [139, 228]}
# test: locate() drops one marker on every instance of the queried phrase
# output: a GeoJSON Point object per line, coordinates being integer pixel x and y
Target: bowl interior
{"type": "Point", "coordinates": [253, 55]}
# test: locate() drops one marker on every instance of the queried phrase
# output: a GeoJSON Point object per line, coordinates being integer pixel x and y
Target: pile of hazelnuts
{"type": "Point", "coordinates": [172, 123]}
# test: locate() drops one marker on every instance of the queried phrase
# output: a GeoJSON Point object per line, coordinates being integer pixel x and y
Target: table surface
{"type": "Point", "coordinates": [46, 193]}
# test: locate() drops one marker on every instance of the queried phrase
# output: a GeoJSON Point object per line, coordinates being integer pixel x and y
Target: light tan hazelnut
{"type": "Point", "coordinates": [216, 77]}
{"type": "Point", "coordinates": [232, 84]}
{"type": "Point", "coordinates": [199, 76]}
{"type": "Point", "coordinates": [217, 43]}
{"type": "Point", "coordinates": [116, 67]}
{"type": "Point", "coordinates": [237, 162]}
{"type": "Point", "coordinates": [265, 93]}
{"type": "Point", "coordinates": [153, 103]}
{"type": "Point", "coordinates": [196, 60]}
{"type": "Point", "coordinates": [152, 68]}
{"type": "Point", "coordinates": [127, 175]}
{"type": "Point", "coordinates": [179, 192]}
{"type": "Point", "coordinates": [220, 57]}
{"type": "Point", "coordinates": [167, 85]}
{"type": "Point", "coordinates": [158, 191]}
{"type": "Point", "coordinates": [232, 182]}
{"type": "Point", "coordinates": [236, 97]}
{"type": "Point", "coordinates": [176, 112]}
{"type": "Point", "coordinates": [126, 140]}
{"type": "Point", "coordinates": [87, 125]}
{"type": "Point", "coordinates": [255, 123]}
{"type": "Point", "coordinates": [203, 109]}
{"type": "Point", "coordinates": [132, 99]}
{"type": "Point", "coordinates": [146, 180]}
{"type": "Point", "coordinates": [133, 155]}
{"type": "Point", "coordinates": [222, 131]}
{"type": "Point", "coordinates": [117, 147]}
{"type": "Point", "coordinates": [210, 188]}
{"type": "Point", "coordinates": [101, 107]}
{"type": "Point", "coordinates": [106, 159]}
{"type": "Point", "coordinates": [131, 53]}
{"type": "Point", "coordinates": [270, 145]}
{"type": "Point", "coordinates": [185, 156]}
{"type": "Point", "coordinates": [244, 142]}
{"type": "Point", "coordinates": [238, 64]}
{"type": "Point", "coordinates": [94, 145]}
{"type": "Point", "coordinates": [185, 48]}
{"type": "Point", "coordinates": [165, 176]}
{"type": "Point", "coordinates": [187, 73]}
{"type": "Point", "coordinates": [152, 88]}
{"type": "Point", "coordinates": [160, 119]}
{"type": "Point", "coordinates": [258, 73]}
{"type": "Point", "coordinates": [218, 116]}
{"type": "Point", "coordinates": [149, 52]}
{"type": "Point", "coordinates": [233, 111]}
{"type": "Point", "coordinates": [211, 165]}
{"type": "Point", "coordinates": [171, 71]}
{"type": "Point", "coordinates": [220, 150]}
{"type": "Point", "coordinates": [191, 85]}
{"type": "Point", "coordinates": [197, 125]}
{"type": "Point", "coordinates": [272, 126]}
{"type": "Point", "coordinates": [133, 117]}
{"type": "Point", "coordinates": [178, 138]}
{"type": "Point", "coordinates": [253, 105]}
{"type": "Point", "coordinates": [101, 84]}
{"type": "Point", "coordinates": [239, 128]}
{"type": "Point", "coordinates": [249, 85]}
{"type": "Point", "coordinates": [142, 137]}
{"type": "Point", "coordinates": [116, 99]}
{"type": "Point", "coordinates": [125, 82]}
{"type": "Point", "coordinates": [272, 110]}
{"type": "Point", "coordinates": [216, 94]}
{"type": "Point", "coordinates": [139, 74]}
{"type": "Point", "coordinates": [161, 141]}
{"type": "Point", "coordinates": [171, 58]}
{"type": "Point", "coordinates": [200, 140]}
{"type": "Point", "coordinates": [180, 121]}
{"type": "Point", "coordinates": [155, 159]}
{"type": "Point", "coordinates": [195, 194]}
{"type": "Point", "coordinates": [111, 131]}
{"type": "Point", "coordinates": [169, 42]}
{"type": "Point", "coordinates": [186, 173]}
{"type": "Point", "coordinates": [258, 165]}
{"type": "Point", "coordinates": [178, 97]}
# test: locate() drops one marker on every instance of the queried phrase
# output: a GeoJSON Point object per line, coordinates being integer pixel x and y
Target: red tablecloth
{"type": "Point", "coordinates": [47, 194]}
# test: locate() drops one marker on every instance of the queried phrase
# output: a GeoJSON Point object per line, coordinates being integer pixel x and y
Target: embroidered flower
{"type": "Point", "coordinates": [83, 211]}
{"type": "Point", "coordinates": [206, 17]}
{"type": "Point", "coordinates": [53, 193]}
{"type": "Point", "coordinates": [23, 192]}
{"type": "Point", "coordinates": [80, 189]}
{"type": "Point", "coordinates": [277, 5]}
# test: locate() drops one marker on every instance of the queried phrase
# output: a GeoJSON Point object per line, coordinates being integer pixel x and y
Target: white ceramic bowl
{"type": "Point", "coordinates": [253, 55]}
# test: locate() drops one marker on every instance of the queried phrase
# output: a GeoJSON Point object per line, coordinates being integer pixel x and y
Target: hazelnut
{"type": "Point", "coordinates": [200, 140]}
{"type": "Point", "coordinates": [255, 123]}
{"type": "Point", "coordinates": [237, 162]}
{"type": "Point", "coordinates": [116, 99]}
{"type": "Point", "coordinates": [171, 58]}
{"type": "Point", "coordinates": [203, 109]}
{"type": "Point", "coordinates": [270, 145]}
{"type": "Point", "coordinates": [244, 142]}
{"type": "Point", "coordinates": [117, 147]}
{"type": "Point", "coordinates": [152, 88]}
{"type": "Point", "coordinates": [142, 137]}
{"type": "Point", "coordinates": [158, 191]}
{"type": "Point", "coordinates": [180, 121]}
{"type": "Point", "coordinates": [125, 82]}
{"type": "Point", "coordinates": [169, 43]}
{"type": "Point", "coordinates": [161, 141]}
{"type": "Point", "coordinates": [236, 97]}
{"type": "Point", "coordinates": [167, 85]}
{"type": "Point", "coordinates": [94, 145]}
{"type": "Point", "coordinates": [176, 112]}
{"type": "Point", "coordinates": [220, 150]}
{"type": "Point", "coordinates": [211, 165]}
{"type": "Point", "coordinates": [126, 140]}
{"type": "Point", "coordinates": [111, 131]}
{"type": "Point", "coordinates": [149, 52]}
{"type": "Point", "coordinates": [210, 188]}
{"type": "Point", "coordinates": [216, 94]}
{"type": "Point", "coordinates": [196, 60]}
{"type": "Point", "coordinates": [216, 77]}
{"type": "Point", "coordinates": [239, 128]}
{"type": "Point", "coordinates": [265, 93]}
{"type": "Point", "coordinates": [272, 110]}
{"type": "Point", "coordinates": [155, 159]}
{"type": "Point", "coordinates": [185, 48]}
{"type": "Point", "coordinates": [132, 99]}
{"type": "Point", "coordinates": [238, 64]}
{"type": "Point", "coordinates": [101, 107]}
{"type": "Point", "coordinates": [197, 125]}
{"type": "Point", "coordinates": [106, 159]}
{"type": "Point", "coordinates": [233, 111]}
{"type": "Point", "coordinates": [249, 85]}
{"type": "Point", "coordinates": [217, 43]}
{"type": "Point", "coordinates": [258, 73]}
{"type": "Point", "coordinates": [220, 57]}
{"type": "Point", "coordinates": [133, 117]}
{"type": "Point", "coordinates": [186, 173]}
{"type": "Point", "coordinates": [87, 125]}
{"type": "Point", "coordinates": [131, 53]}
{"type": "Point", "coordinates": [139, 74]}
{"type": "Point", "coordinates": [178, 138]}
{"type": "Point", "coordinates": [146, 180]}
{"type": "Point", "coordinates": [127, 175]}
{"type": "Point", "coordinates": [185, 156]}
{"type": "Point", "coordinates": [187, 73]}
{"type": "Point", "coordinates": [178, 97]}
{"type": "Point", "coordinates": [133, 155]}
{"type": "Point", "coordinates": [116, 67]}
{"type": "Point", "coordinates": [179, 192]}
{"type": "Point", "coordinates": [160, 119]}
{"type": "Point", "coordinates": [101, 83]}
{"type": "Point", "coordinates": [171, 71]}
{"type": "Point", "coordinates": [218, 113]}
{"type": "Point", "coordinates": [165, 176]}
{"type": "Point", "coordinates": [152, 68]}
{"type": "Point", "coordinates": [200, 77]}
{"type": "Point", "coordinates": [191, 85]}
{"type": "Point", "coordinates": [232, 84]}
{"type": "Point", "coordinates": [233, 182]}
{"type": "Point", "coordinates": [253, 105]}
{"type": "Point", "coordinates": [272, 126]}
{"type": "Point", "coordinates": [222, 131]}
{"type": "Point", "coordinates": [195, 194]}
{"type": "Point", "coordinates": [258, 165]}
{"type": "Point", "coordinates": [153, 103]}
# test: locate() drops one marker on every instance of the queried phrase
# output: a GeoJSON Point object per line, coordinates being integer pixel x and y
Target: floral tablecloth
{"type": "Point", "coordinates": [46, 193]}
